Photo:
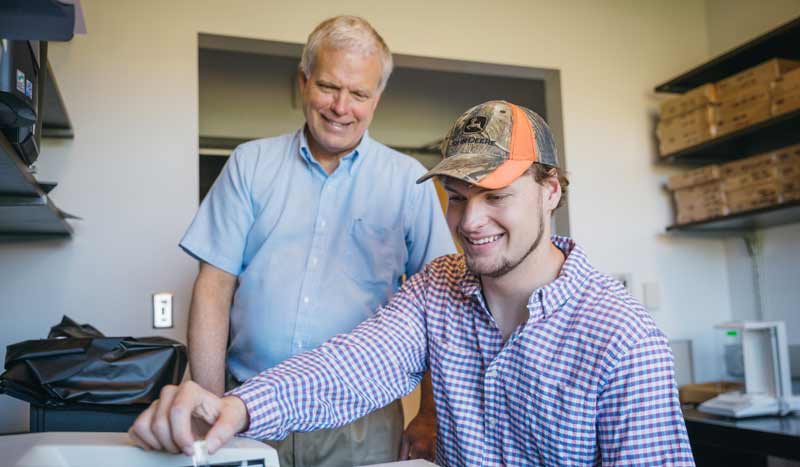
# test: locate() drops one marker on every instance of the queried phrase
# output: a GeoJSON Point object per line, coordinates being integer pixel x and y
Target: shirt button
{"type": "Point", "coordinates": [492, 421]}
{"type": "Point", "coordinates": [305, 299]}
{"type": "Point", "coordinates": [314, 261]}
{"type": "Point", "coordinates": [322, 224]}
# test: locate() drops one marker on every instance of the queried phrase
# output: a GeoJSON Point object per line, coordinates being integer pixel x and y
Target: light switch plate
{"type": "Point", "coordinates": [162, 310]}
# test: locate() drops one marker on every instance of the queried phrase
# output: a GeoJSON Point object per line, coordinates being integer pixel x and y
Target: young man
{"type": "Point", "coordinates": [536, 358]}
{"type": "Point", "coordinates": [304, 235]}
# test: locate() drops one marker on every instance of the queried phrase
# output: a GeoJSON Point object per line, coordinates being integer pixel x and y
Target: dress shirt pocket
{"type": "Point", "coordinates": [561, 417]}
{"type": "Point", "coordinates": [376, 255]}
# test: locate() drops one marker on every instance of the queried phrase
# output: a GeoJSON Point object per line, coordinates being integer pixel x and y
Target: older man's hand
{"type": "Point", "coordinates": [187, 413]}
{"type": "Point", "coordinates": [419, 439]}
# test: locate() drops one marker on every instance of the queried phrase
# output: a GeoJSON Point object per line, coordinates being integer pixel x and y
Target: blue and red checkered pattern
{"type": "Point", "coordinates": [587, 380]}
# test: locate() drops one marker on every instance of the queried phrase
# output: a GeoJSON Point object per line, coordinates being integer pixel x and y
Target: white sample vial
{"type": "Point", "coordinates": [200, 453]}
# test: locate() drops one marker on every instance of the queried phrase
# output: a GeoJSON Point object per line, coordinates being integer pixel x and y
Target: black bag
{"type": "Point", "coordinates": [78, 366]}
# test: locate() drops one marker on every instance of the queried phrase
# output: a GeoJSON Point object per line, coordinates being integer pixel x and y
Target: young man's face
{"type": "Point", "coordinates": [499, 229]}
{"type": "Point", "coordinates": [339, 99]}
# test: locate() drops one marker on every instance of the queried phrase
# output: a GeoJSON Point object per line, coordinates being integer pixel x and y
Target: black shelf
{"type": "Point", "coordinates": [31, 216]}
{"type": "Point", "coordinates": [55, 120]}
{"type": "Point", "coordinates": [746, 221]}
{"type": "Point", "coordinates": [774, 133]}
{"type": "Point", "coordinates": [25, 208]}
{"type": "Point", "coordinates": [781, 42]}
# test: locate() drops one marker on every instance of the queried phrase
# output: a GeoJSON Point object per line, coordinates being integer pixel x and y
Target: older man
{"type": "Point", "coordinates": [537, 358]}
{"type": "Point", "coordinates": [304, 235]}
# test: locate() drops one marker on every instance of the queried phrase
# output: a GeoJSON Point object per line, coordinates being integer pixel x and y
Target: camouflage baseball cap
{"type": "Point", "coordinates": [493, 143]}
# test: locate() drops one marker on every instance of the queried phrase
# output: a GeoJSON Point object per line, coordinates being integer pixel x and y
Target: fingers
{"type": "Point", "coordinates": [160, 424]}
{"type": "Point", "coordinates": [140, 432]}
{"type": "Point", "coordinates": [191, 401]}
{"type": "Point", "coordinates": [166, 424]}
{"type": "Point", "coordinates": [137, 440]}
{"type": "Point", "coordinates": [232, 419]}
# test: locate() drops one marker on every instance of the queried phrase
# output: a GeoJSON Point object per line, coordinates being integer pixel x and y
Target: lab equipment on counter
{"type": "Point", "coordinates": [768, 384]}
{"type": "Point", "coordinates": [69, 449]}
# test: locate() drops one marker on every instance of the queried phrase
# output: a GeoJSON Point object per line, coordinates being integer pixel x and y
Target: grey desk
{"type": "Point", "coordinates": [722, 441]}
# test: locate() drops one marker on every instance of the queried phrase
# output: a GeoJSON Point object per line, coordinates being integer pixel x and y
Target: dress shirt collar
{"type": "Point", "coordinates": [350, 161]}
{"type": "Point", "coordinates": [551, 297]}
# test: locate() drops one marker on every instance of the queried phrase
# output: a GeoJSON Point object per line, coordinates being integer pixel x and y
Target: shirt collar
{"type": "Point", "coordinates": [349, 161]}
{"type": "Point", "coordinates": [551, 297]}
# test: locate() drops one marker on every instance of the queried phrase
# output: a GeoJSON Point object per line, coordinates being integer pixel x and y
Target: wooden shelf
{"type": "Point", "coordinates": [742, 222]}
{"type": "Point", "coordinates": [781, 42]}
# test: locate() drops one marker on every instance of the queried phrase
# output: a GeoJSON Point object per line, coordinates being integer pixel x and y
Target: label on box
{"type": "Point", "coordinates": [21, 81]}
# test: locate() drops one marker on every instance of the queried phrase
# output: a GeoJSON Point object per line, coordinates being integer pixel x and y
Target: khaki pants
{"type": "Point", "coordinates": [372, 439]}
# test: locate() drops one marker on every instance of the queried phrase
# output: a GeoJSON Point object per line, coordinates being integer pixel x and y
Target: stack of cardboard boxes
{"type": "Point", "coordinates": [688, 120]}
{"type": "Point", "coordinates": [736, 102]}
{"type": "Point", "coordinates": [786, 93]}
{"type": "Point", "coordinates": [720, 189]}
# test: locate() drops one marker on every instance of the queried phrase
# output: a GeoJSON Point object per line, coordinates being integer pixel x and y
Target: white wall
{"type": "Point", "coordinates": [131, 87]}
{"type": "Point", "coordinates": [777, 258]}
{"type": "Point", "coordinates": [734, 22]}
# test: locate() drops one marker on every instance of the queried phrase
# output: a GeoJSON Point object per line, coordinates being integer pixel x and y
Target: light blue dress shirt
{"type": "Point", "coordinates": [315, 254]}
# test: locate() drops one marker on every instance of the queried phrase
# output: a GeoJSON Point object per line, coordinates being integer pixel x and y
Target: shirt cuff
{"type": "Point", "coordinates": [262, 410]}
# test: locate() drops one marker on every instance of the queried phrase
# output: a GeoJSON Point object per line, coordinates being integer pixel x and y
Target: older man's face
{"type": "Point", "coordinates": [339, 100]}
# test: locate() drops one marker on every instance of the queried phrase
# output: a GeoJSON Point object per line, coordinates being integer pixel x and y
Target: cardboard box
{"type": "Point", "coordinates": [790, 190]}
{"type": "Point", "coordinates": [686, 130]}
{"type": "Point", "coordinates": [785, 103]}
{"type": "Point", "coordinates": [762, 74]}
{"type": "Point", "coordinates": [693, 213]}
{"type": "Point", "coordinates": [747, 107]}
{"type": "Point", "coordinates": [693, 177]}
{"type": "Point", "coordinates": [788, 83]}
{"type": "Point", "coordinates": [754, 196]}
{"type": "Point", "coordinates": [761, 174]}
{"type": "Point", "coordinates": [700, 202]}
{"type": "Point", "coordinates": [789, 154]}
{"type": "Point", "coordinates": [747, 164]}
{"type": "Point", "coordinates": [788, 170]}
{"type": "Point", "coordinates": [697, 393]}
{"type": "Point", "coordinates": [693, 99]}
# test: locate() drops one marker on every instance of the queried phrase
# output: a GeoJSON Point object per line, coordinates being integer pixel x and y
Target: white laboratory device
{"type": "Point", "coordinates": [68, 449]}
{"type": "Point", "coordinates": [768, 383]}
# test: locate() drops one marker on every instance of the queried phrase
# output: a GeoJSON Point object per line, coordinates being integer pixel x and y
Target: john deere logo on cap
{"type": "Point", "coordinates": [475, 124]}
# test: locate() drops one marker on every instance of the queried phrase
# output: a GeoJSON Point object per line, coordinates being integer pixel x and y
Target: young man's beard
{"type": "Point", "coordinates": [508, 265]}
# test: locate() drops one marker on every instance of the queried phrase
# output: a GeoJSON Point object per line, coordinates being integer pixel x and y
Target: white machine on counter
{"type": "Point", "coordinates": [768, 383]}
{"type": "Point", "coordinates": [67, 449]}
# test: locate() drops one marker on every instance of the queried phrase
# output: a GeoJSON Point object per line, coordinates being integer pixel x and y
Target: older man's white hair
{"type": "Point", "coordinates": [351, 33]}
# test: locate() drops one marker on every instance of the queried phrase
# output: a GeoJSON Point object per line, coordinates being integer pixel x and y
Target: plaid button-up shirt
{"type": "Point", "coordinates": [587, 380]}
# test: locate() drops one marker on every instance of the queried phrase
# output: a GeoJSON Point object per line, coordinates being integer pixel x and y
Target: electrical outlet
{"type": "Point", "coordinates": [162, 310]}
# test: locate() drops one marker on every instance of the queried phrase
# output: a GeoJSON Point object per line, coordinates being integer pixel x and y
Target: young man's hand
{"type": "Point", "coordinates": [187, 413]}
